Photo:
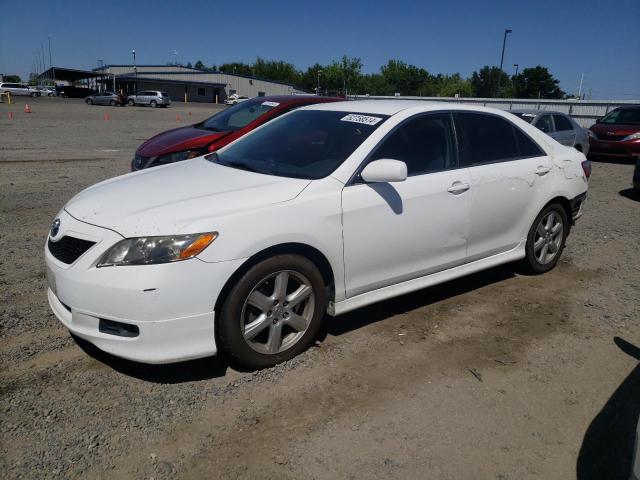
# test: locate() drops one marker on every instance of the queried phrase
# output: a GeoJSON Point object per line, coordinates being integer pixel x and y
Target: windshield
{"type": "Point", "coordinates": [626, 116]}
{"type": "Point", "coordinates": [527, 117]}
{"type": "Point", "coordinates": [238, 116]}
{"type": "Point", "coordinates": [304, 144]}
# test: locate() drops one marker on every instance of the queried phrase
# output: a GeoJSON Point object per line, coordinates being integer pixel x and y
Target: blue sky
{"type": "Point", "coordinates": [597, 38]}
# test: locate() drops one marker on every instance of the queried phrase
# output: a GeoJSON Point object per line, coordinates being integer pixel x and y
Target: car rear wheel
{"type": "Point", "coordinates": [546, 239]}
{"type": "Point", "coordinates": [113, 103]}
{"type": "Point", "coordinates": [131, 103]}
{"type": "Point", "coordinates": [89, 101]}
{"type": "Point", "coordinates": [273, 312]}
{"type": "Point", "coordinates": [153, 104]}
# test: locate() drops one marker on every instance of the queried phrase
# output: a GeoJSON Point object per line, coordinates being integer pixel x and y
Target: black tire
{"type": "Point", "coordinates": [50, 95]}
{"type": "Point", "coordinates": [532, 262]}
{"type": "Point", "coordinates": [153, 104]}
{"type": "Point", "coordinates": [89, 101]}
{"type": "Point", "coordinates": [230, 322]}
{"type": "Point", "coordinates": [34, 95]}
{"type": "Point", "coordinates": [131, 103]}
{"type": "Point", "coordinates": [113, 103]}
{"type": "Point", "coordinates": [578, 147]}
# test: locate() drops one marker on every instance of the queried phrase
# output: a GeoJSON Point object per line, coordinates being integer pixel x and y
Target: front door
{"type": "Point", "coordinates": [564, 131]}
{"type": "Point", "coordinates": [398, 231]}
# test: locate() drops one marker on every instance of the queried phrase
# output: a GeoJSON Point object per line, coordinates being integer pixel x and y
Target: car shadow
{"type": "Point", "coordinates": [189, 371]}
{"type": "Point", "coordinates": [607, 447]}
{"type": "Point", "coordinates": [361, 317]}
{"type": "Point", "coordinates": [631, 194]}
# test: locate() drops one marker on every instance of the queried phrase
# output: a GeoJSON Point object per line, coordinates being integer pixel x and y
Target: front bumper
{"type": "Point", "coordinates": [171, 306]}
{"type": "Point", "coordinates": [622, 150]}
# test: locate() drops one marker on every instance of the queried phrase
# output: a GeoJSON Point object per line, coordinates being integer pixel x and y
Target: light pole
{"type": "Point", "coordinates": [318, 86]}
{"type": "Point", "coordinates": [516, 65]}
{"type": "Point", "coordinates": [135, 71]}
{"type": "Point", "coordinates": [507, 31]}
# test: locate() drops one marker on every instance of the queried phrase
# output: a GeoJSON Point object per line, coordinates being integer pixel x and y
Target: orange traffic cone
{"type": "Point", "coordinates": [105, 116]}
{"type": "Point", "coordinates": [10, 115]}
{"type": "Point", "coordinates": [27, 108]}
{"type": "Point", "coordinates": [178, 118]}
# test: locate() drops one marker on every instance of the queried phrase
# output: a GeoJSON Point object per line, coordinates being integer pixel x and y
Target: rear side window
{"type": "Point", "coordinates": [562, 123]}
{"type": "Point", "coordinates": [486, 138]}
{"type": "Point", "coordinates": [545, 124]}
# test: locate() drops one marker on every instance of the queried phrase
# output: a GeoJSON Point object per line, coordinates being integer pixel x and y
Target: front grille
{"type": "Point", "coordinates": [69, 249]}
{"type": "Point", "coordinates": [610, 138]}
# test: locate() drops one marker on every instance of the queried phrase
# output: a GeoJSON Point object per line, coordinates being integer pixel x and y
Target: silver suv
{"type": "Point", "coordinates": [153, 98]}
{"type": "Point", "coordinates": [18, 89]}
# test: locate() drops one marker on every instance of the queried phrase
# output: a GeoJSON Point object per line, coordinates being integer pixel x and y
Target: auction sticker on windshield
{"type": "Point", "coordinates": [364, 119]}
{"type": "Point", "coordinates": [270, 104]}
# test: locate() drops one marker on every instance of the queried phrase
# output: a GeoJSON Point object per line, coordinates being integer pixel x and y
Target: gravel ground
{"type": "Point", "coordinates": [498, 375]}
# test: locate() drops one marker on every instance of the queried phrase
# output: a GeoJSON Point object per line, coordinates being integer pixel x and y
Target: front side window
{"type": "Point", "coordinates": [303, 144]}
{"type": "Point", "coordinates": [426, 144]}
{"type": "Point", "coordinates": [236, 117]}
{"type": "Point", "coordinates": [545, 124]}
{"type": "Point", "coordinates": [562, 123]}
{"type": "Point", "coordinates": [486, 138]}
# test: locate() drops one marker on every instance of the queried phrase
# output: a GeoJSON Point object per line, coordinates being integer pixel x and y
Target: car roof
{"type": "Point", "coordinates": [296, 99]}
{"type": "Point", "coordinates": [380, 107]}
{"type": "Point", "coordinates": [534, 111]}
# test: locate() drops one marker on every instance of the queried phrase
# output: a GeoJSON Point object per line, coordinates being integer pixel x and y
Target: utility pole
{"type": "Point", "coordinates": [318, 87]}
{"type": "Point", "coordinates": [580, 87]}
{"type": "Point", "coordinates": [53, 70]}
{"type": "Point", "coordinates": [175, 57]}
{"type": "Point", "coordinates": [135, 70]}
{"type": "Point", "coordinates": [504, 43]}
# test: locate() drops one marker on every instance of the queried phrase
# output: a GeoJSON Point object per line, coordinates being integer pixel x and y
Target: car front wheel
{"type": "Point", "coordinates": [546, 239]}
{"type": "Point", "coordinates": [89, 101]}
{"type": "Point", "coordinates": [273, 312]}
{"type": "Point", "coordinates": [153, 104]}
{"type": "Point", "coordinates": [131, 103]}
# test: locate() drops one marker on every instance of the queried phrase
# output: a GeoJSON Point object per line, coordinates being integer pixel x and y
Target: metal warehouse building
{"type": "Point", "coordinates": [192, 85]}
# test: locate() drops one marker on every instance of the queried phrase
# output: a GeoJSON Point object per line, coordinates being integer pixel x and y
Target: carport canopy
{"type": "Point", "coordinates": [70, 75]}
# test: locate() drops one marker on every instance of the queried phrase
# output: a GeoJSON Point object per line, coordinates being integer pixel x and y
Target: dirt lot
{"type": "Point", "coordinates": [495, 376]}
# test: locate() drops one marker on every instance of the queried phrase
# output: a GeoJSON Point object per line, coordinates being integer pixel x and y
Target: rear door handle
{"type": "Point", "coordinates": [458, 187]}
{"type": "Point", "coordinates": [541, 171]}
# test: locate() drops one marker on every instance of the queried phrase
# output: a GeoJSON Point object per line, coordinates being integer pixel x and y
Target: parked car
{"type": "Point", "coordinates": [46, 91]}
{"type": "Point", "coordinates": [244, 250]}
{"type": "Point", "coordinates": [153, 98]}
{"type": "Point", "coordinates": [636, 174]}
{"type": "Point", "coordinates": [106, 98]}
{"type": "Point", "coordinates": [70, 91]}
{"type": "Point", "coordinates": [617, 134]}
{"type": "Point", "coordinates": [234, 99]}
{"type": "Point", "coordinates": [559, 126]}
{"type": "Point", "coordinates": [215, 132]}
{"type": "Point", "coordinates": [18, 89]}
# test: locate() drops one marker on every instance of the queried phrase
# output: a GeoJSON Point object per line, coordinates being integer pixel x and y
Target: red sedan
{"type": "Point", "coordinates": [215, 132]}
{"type": "Point", "coordinates": [617, 135]}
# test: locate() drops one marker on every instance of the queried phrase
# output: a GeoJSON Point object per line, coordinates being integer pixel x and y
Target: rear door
{"type": "Point", "coordinates": [507, 170]}
{"type": "Point", "coordinates": [564, 130]}
{"type": "Point", "coordinates": [394, 232]}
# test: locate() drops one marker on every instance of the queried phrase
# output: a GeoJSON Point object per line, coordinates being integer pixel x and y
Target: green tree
{"type": "Point", "coordinates": [199, 65]}
{"type": "Point", "coordinates": [485, 82]}
{"type": "Point", "coordinates": [12, 78]}
{"type": "Point", "coordinates": [536, 82]}
{"type": "Point", "coordinates": [403, 78]}
{"type": "Point", "coordinates": [238, 68]}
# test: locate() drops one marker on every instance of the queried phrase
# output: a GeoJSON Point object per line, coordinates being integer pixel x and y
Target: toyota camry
{"type": "Point", "coordinates": [324, 210]}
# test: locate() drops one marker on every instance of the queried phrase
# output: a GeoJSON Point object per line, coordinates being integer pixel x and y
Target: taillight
{"type": "Point", "coordinates": [586, 167]}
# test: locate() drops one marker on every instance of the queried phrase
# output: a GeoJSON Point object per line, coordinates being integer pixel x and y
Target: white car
{"type": "Point", "coordinates": [19, 89]}
{"type": "Point", "coordinates": [235, 99]}
{"type": "Point", "coordinates": [326, 209]}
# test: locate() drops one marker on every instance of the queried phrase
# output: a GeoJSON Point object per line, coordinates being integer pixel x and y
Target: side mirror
{"type": "Point", "coordinates": [385, 170]}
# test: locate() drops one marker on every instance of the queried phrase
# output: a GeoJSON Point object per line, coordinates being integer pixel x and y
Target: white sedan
{"type": "Point", "coordinates": [326, 209]}
{"type": "Point", "coordinates": [234, 99]}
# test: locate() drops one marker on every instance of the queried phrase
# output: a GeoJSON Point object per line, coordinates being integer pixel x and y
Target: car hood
{"type": "Point", "coordinates": [614, 129]}
{"type": "Point", "coordinates": [178, 198]}
{"type": "Point", "coordinates": [178, 139]}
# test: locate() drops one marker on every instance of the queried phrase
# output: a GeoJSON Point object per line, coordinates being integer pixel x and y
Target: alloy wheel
{"type": "Point", "coordinates": [548, 238]}
{"type": "Point", "coordinates": [278, 312]}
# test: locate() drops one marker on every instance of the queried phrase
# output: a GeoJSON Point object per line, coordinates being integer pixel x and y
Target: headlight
{"type": "Point", "coordinates": [150, 250]}
{"type": "Point", "coordinates": [633, 136]}
{"type": "Point", "coordinates": [178, 156]}
{"type": "Point", "coordinates": [592, 135]}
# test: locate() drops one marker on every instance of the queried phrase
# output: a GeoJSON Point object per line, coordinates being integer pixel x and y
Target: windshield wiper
{"type": "Point", "coordinates": [244, 166]}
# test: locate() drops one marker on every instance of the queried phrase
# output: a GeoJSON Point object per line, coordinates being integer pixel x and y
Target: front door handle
{"type": "Point", "coordinates": [541, 171]}
{"type": "Point", "coordinates": [458, 187]}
